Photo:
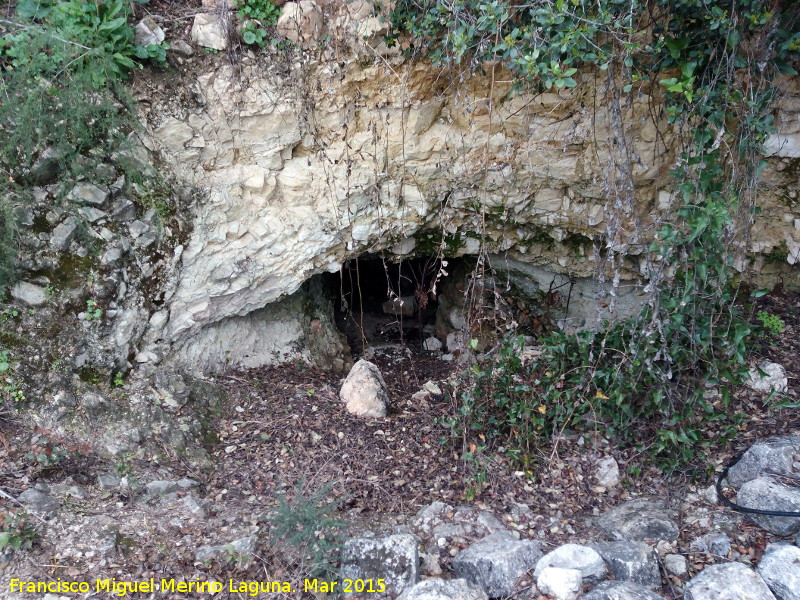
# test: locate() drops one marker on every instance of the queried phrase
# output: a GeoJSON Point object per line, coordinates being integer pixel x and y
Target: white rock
{"type": "Point", "coordinates": [148, 32]}
{"type": "Point", "coordinates": [607, 472]}
{"type": "Point", "coordinates": [574, 556]}
{"type": "Point", "coordinates": [773, 380]}
{"type": "Point", "coordinates": [364, 391]}
{"type": "Point", "coordinates": [29, 294]}
{"type": "Point", "coordinates": [209, 32]}
{"type": "Point", "coordinates": [562, 584]}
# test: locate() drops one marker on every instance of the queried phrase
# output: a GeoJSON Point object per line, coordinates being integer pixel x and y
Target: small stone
{"type": "Point", "coordinates": [405, 306]}
{"type": "Point", "coordinates": [29, 294]}
{"type": "Point", "coordinates": [432, 388]}
{"type": "Point", "coordinates": [631, 561]}
{"type": "Point", "coordinates": [63, 234]}
{"type": "Point", "coordinates": [772, 456]}
{"type": "Point", "coordinates": [148, 32]}
{"type": "Point", "coordinates": [161, 488]}
{"type": "Point", "coordinates": [713, 543]}
{"type": "Point", "coordinates": [38, 502]}
{"type": "Point", "coordinates": [91, 214]}
{"type": "Point", "coordinates": [88, 193]}
{"type": "Point", "coordinates": [560, 583]}
{"type": "Point", "coordinates": [194, 507]}
{"type": "Point", "coordinates": [621, 590]}
{"type": "Point", "coordinates": [240, 551]}
{"type": "Point", "coordinates": [607, 472]}
{"type": "Point", "coordinates": [677, 565]}
{"type": "Point", "coordinates": [181, 48]}
{"type": "Point", "coordinates": [364, 391]}
{"type": "Point", "coordinates": [107, 481]}
{"type": "Point", "coordinates": [301, 23]}
{"type": "Point", "coordinates": [123, 210]}
{"type": "Point", "coordinates": [432, 344]}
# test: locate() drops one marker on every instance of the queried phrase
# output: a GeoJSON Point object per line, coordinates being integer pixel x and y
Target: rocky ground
{"type": "Point", "coordinates": [283, 437]}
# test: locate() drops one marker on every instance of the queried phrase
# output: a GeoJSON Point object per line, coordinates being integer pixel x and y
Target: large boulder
{"type": "Point", "coordinates": [729, 581]}
{"type": "Point", "coordinates": [395, 559]}
{"type": "Point", "coordinates": [776, 456]}
{"type": "Point", "coordinates": [767, 493]}
{"type": "Point", "coordinates": [639, 520]}
{"type": "Point", "coordinates": [364, 391]}
{"type": "Point", "coordinates": [780, 569]}
{"type": "Point", "coordinates": [496, 566]}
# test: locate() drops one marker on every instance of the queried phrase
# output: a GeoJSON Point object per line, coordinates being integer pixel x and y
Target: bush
{"type": "Point", "coordinates": [308, 534]}
{"type": "Point", "coordinates": [64, 107]}
{"type": "Point", "coordinates": [17, 531]}
{"type": "Point", "coordinates": [256, 16]}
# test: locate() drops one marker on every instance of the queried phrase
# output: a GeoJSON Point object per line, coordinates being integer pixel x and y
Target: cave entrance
{"type": "Point", "coordinates": [379, 301]}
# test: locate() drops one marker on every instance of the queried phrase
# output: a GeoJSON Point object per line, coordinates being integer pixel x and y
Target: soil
{"type": "Point", "coordinates": [284, 433]}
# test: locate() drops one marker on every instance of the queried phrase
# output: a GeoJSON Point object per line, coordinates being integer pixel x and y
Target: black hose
{"type": "Point", "coordinates": [744, 509]}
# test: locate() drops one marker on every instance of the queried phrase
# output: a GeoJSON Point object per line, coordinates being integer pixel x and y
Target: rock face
{"type": "Point", "coordinates": [318, 159]}
{"type": "Point", "coordinates": [780, 569]}
{"type": "Point", "coordinates": [301, 22]}
{"type": "Point", "coordinates": [767, 493]}
{"type": "Point", "coordinates": [394, 559]}
{"type": "Point", "coordinates": [364, 391]}
{"type": "Point", "coordinates": [639, 520]}
{"type": "Point", "coordinates": [496, 566]}
{"type": "Point", "coordinates": [731, 581]}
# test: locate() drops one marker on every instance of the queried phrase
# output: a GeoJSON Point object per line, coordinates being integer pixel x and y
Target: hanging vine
{"type": "Point", "coordinates": [652, 379]}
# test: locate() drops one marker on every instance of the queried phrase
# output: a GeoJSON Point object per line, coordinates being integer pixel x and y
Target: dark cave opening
{"type": "Point", "coordinates": [381, 301]}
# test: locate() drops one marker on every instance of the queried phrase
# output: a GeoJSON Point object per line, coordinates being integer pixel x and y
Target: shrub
{"type": "Point", "coordinates": [309, 534]}
{"type": "Point", "coordinates": [64, 107]}
{"type": "Point", "coordinates": [256, 16]}
{"type": "Point", "coordinates": [17, 531]}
